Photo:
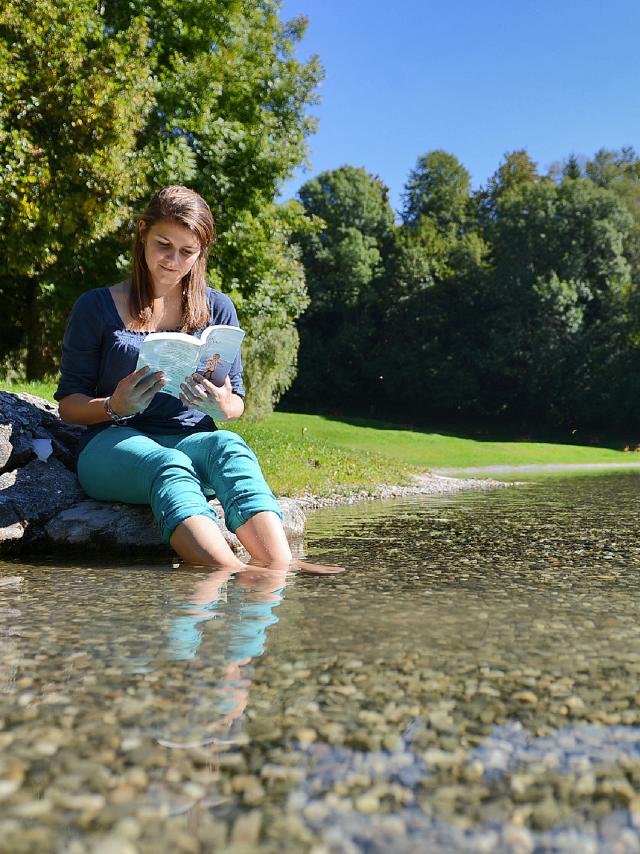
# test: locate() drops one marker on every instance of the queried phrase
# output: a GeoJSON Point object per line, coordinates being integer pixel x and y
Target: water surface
{"type": "Point", "coordinates": [471, 683]}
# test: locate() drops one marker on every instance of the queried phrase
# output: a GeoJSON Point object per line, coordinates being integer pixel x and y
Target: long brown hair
{"type": "Point", "coordinates": [187, 208]}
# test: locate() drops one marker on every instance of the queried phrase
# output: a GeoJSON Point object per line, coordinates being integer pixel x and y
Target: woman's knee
{"type": "Point", "coordinates": [170, 462]}
{"type": "Point", "coordinates": [226, 441]}
{"type": "Point", "coordinates": [176, 493]}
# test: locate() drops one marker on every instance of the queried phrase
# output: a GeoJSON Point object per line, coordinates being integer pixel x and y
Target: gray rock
{"type": "Point", "coordinates": [10, 531]}
{"type": "Point", "coordinates": [32, 495]}
{"type": "Point", "coordinates": [42, 489]}
{"type": "Point", "coordinates": [294, 518]}
{"type": "Point", "coordinates": [24, 417]}
{"type": "Point", "coordinates": [101, 525]}
{"type": "Point", "coordinates": [8, 479]}
{"type": "Point", "coordinates": [96, 525]}
{"type": "Point", "coordinates": [6, 448]}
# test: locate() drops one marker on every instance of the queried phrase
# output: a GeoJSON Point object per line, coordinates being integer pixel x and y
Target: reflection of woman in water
{"type": "Point", "coordinates": [242, 607]}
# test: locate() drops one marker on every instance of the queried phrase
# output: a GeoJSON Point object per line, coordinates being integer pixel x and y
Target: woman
{"type": "Point", "coordinates": [146, 447]}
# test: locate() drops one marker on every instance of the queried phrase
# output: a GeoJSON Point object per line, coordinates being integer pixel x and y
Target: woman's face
{"type": "Point", "coordinates": [170, 250]}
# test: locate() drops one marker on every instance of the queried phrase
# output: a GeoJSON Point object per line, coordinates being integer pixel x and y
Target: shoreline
{"type": "Point", "coordinates": [506, 468]}
{"type": "Point", "coordinates": [425, 484]}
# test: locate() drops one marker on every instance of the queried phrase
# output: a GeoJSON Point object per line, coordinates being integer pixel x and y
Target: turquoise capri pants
{"type": "Point", "coordinates": [175, 473]}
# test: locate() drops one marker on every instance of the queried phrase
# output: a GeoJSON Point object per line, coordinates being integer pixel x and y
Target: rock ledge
{"type": "Point", "coordinates": [43, 508]}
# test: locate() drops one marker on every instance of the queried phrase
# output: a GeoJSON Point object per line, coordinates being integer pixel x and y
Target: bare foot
{"type": "Point", "coordinates": [302, 565]}
{"type": "Point", "coordinates": [316, 568]}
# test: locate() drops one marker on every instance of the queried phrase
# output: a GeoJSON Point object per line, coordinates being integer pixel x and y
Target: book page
{"type": "Point", "coordinates": [218, 350]}
{"type": "Point", "coordinates": [172, 353]}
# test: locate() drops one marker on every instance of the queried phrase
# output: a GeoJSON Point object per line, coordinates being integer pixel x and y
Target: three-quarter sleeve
{"type": "Point", "coordinates": [81, 348]}
{"type": "Point", "coordinates": [223, 312]}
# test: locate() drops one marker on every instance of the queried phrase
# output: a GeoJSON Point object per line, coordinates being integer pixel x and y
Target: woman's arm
{"type": "Point", "coordinates": [132, 395]}
{"type": "Point", "coordinates": [81, 409]}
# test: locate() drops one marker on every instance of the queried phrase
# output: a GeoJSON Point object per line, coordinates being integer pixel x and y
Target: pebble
{"type": "Point", "coordinates": [128, 828]}
{"type": "Point", "coordinates": [525, 697]}
{"type": "Point", "coordinates": [246, 828]}
{"type": "Point", "coordinates": [392, 741]}
{"type": "Point", "coordinates": [367, 804]}
{"type": "Point", "coordinates": [8, 788]}
{"type": "Point", "coordinates": [46, 748]}
{"type": "Point", "coordinates": [306, 736]}
{"type": "Point", "coordinates": [33, 809]}
{"type": "Point", "coordinates": [113, 844]}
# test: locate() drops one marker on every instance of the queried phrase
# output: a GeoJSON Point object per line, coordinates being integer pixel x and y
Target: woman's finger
{"type": "Point", "coordinates": [205, 383]}
{"type": "Point", "coordinates": [146, 395]}
{"type": "Point", "coordinates": [188, 400]}
{"type": "Point", "coordinates": [191, 390]}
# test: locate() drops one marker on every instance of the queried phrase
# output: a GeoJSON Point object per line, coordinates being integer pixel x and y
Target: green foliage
{"type": "Point", "coordinates": [349, 229]}
{"type": "Point", "coordinates": [268, 287]}
{"type": "Point", "coordinates": [100, 105]}
{"type": "Point", "coordinates": [516, 172]}
{"type": "Point", "coordinates": [343, 255]}
{"type": "Point", "coordinates": [518, 305]}
{"type": "Point", "coordinates": [571, 168]}
{"type": "Point", "coordinates": [74, 99]}
{"type": "Point", "coordinates": [439, 187]}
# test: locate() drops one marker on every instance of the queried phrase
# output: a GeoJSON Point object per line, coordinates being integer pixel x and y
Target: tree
{"type": "Point", "coordinates": [571, 168]}
{"type": "Point", "coordinates": [439, 187]}
{"type": "Point", "coordinates": [132, 94]}
{"type": "Point", "coordinates": [525, 323]}
{"type": "Point", "coordinates": [560, 278]}
{"type": "Point", "coordinates": [74, 99]}
{"type": "Point", "coordinates": [350, 226]}
{"type": "Point", "coordinates": [343, 256]}
{"type": "Point", "coordinates": [231, 122]}
{"type": "Point", "coordinates": [516, 171]}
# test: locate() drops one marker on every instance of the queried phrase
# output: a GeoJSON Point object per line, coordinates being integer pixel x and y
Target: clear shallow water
{"type": "Point", "coordinates": [471, 683]}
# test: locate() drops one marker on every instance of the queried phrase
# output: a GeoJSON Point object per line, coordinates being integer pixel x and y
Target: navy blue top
{"type": "Point", "coordinates": [98, 351]}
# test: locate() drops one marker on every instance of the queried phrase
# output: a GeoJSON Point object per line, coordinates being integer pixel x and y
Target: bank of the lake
{"type": "Point", "coordinates": [333, 458]}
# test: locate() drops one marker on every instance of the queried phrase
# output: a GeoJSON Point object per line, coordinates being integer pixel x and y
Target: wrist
{"type": "Point", "coordinates": [114, 416]}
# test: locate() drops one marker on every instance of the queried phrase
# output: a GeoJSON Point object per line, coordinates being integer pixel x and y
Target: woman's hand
{"type": "Point", "coordinates": [197, 391]}
{"type": "Point", "coordinates": [134, 393]}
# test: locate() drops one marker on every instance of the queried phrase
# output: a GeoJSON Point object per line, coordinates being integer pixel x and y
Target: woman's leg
{"type": "Point", "coordinates": [123, 464]}
{"type": "Point", "coordinates": [227, 466]}
{"type": "Point", "coordinates": [199, 541]}
{"type": "Point", "coordinates": [264, 538]}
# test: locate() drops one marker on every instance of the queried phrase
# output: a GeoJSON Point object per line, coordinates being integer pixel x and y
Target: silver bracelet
{"type": "Point", "coordinates": [117, 419]}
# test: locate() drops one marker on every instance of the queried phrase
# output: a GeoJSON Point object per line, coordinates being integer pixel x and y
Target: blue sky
{"type": "Point", "coordinates": [474, 77]}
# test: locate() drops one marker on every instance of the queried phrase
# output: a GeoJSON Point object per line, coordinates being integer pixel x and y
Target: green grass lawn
{"type": "Point", "coordinates": [324, 456]}
{"type": "Point", "coordinates": [432, 450]}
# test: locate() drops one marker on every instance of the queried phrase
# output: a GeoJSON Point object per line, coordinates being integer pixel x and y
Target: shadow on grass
{"type": "Point", "coordinates": [576, 438]}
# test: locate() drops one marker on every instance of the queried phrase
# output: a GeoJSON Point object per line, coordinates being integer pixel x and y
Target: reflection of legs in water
{"type": "Point", "coordinates": [242, 623]}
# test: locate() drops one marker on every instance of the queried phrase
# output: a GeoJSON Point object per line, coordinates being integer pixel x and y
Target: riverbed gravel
{"type": "Point", "coordinates": [476, 690]}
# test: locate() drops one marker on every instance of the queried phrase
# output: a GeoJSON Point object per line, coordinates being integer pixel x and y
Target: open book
{"type": "Point", "coordinates": [179, 355]}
